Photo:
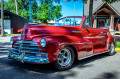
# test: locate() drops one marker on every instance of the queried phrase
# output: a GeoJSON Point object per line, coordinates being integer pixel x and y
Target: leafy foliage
{"type": "Point", "coordinates": [43, 12]}
{"type": "Point", "coordinates": [118, 44]}
{"type": "Point", "coordinates": [47, 11]}
{"type": "Point", "coordinates": [23, 8]}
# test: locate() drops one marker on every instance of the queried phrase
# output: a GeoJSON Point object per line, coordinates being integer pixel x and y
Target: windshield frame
{"type": "Point", "coordinates": [82, 20]}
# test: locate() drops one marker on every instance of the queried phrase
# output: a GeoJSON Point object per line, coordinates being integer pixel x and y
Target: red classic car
{"type": "Point", "coordinates": [69, 39]}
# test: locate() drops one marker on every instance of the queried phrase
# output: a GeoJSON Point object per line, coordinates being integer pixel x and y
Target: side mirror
{"type": "Point", "coordinates": [86, 24]}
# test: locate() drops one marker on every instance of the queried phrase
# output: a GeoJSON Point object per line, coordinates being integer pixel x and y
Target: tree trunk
{"type": "Point", "coordinates": [16, 7]}
{"type": "Point", "coordinates": [2, 18]}
{"type": "Point", "coordinates": [90, 12]}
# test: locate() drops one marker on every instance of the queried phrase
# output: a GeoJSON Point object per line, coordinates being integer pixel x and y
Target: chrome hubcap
{"type": "Point", "coordinates": [64, 57]}
{"type": "Point", "coordinates": [112, 48]}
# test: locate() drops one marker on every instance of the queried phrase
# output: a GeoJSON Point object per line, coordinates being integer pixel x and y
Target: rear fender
{"type": "Point", "coordinates": [109, 40]}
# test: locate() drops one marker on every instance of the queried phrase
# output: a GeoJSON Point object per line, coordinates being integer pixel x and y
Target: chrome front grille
{"type": "Point", "coordinates": [25, 46]}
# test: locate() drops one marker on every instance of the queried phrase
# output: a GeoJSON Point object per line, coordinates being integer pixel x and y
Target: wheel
{"type": "Point", "coordinates": [111, 49]}
{"type": "Point", "coordinates": [65, 59]}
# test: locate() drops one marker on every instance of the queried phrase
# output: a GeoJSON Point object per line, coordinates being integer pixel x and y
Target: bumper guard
{"type": "Point", "coordinates": [28, 59]}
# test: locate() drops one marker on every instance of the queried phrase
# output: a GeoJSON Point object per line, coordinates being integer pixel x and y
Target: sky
{"type": "Point", "coordinates": [68, 8]}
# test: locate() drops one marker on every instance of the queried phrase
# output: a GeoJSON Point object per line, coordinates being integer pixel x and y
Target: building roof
{"type": "Point", "coordinates": [99, 3]}
{"type": "Point", "coordinates": [11, 14]}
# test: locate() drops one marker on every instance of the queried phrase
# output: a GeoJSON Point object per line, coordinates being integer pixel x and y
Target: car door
{"type": "Point", "coordinates": [94, 35]}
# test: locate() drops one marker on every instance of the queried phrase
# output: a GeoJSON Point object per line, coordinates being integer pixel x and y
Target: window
{"type": "Point", "coordinates": [86, 22]}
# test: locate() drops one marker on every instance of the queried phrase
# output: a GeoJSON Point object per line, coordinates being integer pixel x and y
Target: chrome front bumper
{"type": "Point", "coordinates": [28, 59]}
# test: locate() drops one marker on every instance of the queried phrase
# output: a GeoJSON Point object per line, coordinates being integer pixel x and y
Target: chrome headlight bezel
{"type": "Point", "coordinates": [43, 42]}
{"type": "Point", "coordinates": [11, 41]}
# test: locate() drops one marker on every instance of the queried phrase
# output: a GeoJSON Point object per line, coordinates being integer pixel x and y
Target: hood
{"type": "Point", "coordinates": [31, 31]}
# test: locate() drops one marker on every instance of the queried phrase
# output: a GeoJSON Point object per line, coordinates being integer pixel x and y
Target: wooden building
{"type": "Point", "coordinates": [12, 22]}
{"type": "Point", "coordinates": [104, 15]}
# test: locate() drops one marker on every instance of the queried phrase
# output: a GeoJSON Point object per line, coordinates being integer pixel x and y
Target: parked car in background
{"type": "Point", "coordinates": [70, 38]}
{"type": "Point", "coordinates": [20, 30]}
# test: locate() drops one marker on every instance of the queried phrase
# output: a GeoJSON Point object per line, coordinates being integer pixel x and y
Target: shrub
{"type": "Point", "coordinates": [118, 44]}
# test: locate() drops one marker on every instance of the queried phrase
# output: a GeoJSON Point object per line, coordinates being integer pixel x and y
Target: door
{"type": "Point", "coordinates": [7, 26]}
{"type": "Point", "coordinates": [101, 23]}
{"type": "Point", "coordinates": [95, 35]}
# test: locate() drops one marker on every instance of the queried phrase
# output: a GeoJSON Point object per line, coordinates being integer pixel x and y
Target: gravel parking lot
{"type": "Point", "coordinates": [97, 67]}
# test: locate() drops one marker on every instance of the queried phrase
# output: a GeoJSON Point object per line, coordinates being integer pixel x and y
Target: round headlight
{"type": "Point", "coordinates": [43, 42]}
{"type": "Point", "coordinates": [11, 41]}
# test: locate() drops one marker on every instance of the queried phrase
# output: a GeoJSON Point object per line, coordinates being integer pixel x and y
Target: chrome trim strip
{"type": "Point", "coordinates": [108, 45]}
{"type": "Point", "coordinates": [16, 43]}
{"type": "Point", "coordinates": [30, 52]}
{"type": "Point", "coordinates": [23, 35]}
{"type": "Point", "coordinates": [93, 55]}
{"type": "Point", "coordinates": [32, 45]}
{"type": "Point", "coordinates": [16, 46]}
{"type": "Point", "coordinates": [94, 28]}
{"type": "Point", "coordinates": [14, 49]}
{"type": "Point", "coordinates": [77, 31]}
{"type": "Point", "coordinates": [23, 41]}
{"type": "Point", "coordinates": [26, 48]}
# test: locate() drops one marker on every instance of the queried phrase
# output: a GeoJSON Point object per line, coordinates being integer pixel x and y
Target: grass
{"type": "Point", "coordinates": [10, 35]}
{"type": "Point", "coordinates": [118, 44]}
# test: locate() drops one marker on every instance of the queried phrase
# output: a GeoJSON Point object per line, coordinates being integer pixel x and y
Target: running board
{"type": "Point", "coordinates": [93, 55]}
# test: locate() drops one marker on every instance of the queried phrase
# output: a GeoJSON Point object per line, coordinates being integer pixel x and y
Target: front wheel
{"type": "Point", "coordinates": [65, 59]}
{"type": "Point", "coordinates": [111, 49]}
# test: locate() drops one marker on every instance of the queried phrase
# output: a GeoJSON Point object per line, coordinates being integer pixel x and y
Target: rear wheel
{"type": "Point", "coordinates": [111, 49]}
{"type": "Point", "coordinates": [65, 59]}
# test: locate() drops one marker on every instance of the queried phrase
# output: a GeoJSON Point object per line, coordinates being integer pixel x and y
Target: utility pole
{"type": "Point", "coordinates": [74, 7]}
{"type": "Point", "coordinates": [16, 7]}
{"type": "Point", "coordinates": [30, 10]}
{"type": "Point", "coordinates": [2, 18]}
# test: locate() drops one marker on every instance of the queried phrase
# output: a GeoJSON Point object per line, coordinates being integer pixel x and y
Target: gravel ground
{"type": "Point", "coordinates": [96, 67]}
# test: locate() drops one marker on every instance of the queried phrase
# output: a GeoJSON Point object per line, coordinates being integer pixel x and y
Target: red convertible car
{"type": "Point", "coordinates": [68, 39]}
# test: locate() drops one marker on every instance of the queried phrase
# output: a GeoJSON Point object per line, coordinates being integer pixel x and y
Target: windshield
{"type": "Point", "coordinates": [71, 21]}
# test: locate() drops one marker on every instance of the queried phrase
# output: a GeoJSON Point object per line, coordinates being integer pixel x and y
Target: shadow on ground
{"type": "Point", "coordinates": [15, 69]}
{"type": "Point", "coordinates": [108, 75]}
{"type": "Point", "coordinates": [49, 68]}
{"type": "Point", "coordinates": [4, 47]}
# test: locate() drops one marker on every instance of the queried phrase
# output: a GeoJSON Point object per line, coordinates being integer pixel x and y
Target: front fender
{"type": "Point", "coordinates": [56, 43]}
{"type": "Point", "coordinates": [16, 38]}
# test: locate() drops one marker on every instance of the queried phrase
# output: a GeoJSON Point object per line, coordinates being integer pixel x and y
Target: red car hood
{"type": "Point", "coordinates": [31, 31]}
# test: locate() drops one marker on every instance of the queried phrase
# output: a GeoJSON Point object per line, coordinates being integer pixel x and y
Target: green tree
{"type": "Point", "coordinates": [23, 8]}
{"type": "Point", "coordinates": [48, 11]}
{"type": "Point", "coordinates": [44, 11]}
